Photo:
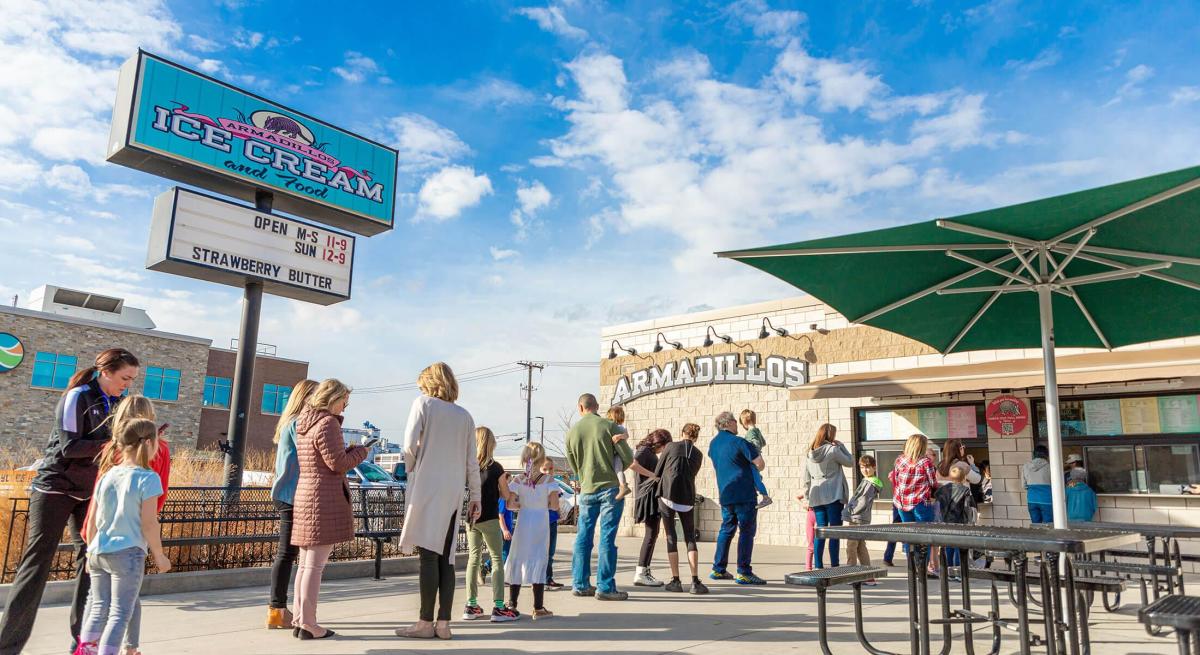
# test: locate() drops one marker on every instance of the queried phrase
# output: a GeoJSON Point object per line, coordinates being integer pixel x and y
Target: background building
{"type": "Point", "coordinates": [1131, 413]}
{"type": "Point", "coordinates": [63, 330]}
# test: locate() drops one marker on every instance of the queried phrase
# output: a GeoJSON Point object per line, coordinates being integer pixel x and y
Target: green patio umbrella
{"type": "Point", "coordinates": [1101, 268]}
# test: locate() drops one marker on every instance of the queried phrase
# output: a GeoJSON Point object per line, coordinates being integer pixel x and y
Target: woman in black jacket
{"type": "Point", "coordinates": [61, 490]}
{"type": "Point", "coordinates": [645, 509]}
{"type": "Point", "coordinates": [678, 465]}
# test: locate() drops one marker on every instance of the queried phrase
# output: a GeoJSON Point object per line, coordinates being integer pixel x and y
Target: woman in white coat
{"type": "Point", "coordinates": [439, 457]}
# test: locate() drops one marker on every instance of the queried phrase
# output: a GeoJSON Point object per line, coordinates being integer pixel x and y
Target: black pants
{"type": "Point", "coordinates": [649, 539]}
{"type": "Point", "coordinates": [687, 520]}
{"type": "Point", "coordinates": [49, 515]}
{"type": "Point", "coordinates": [539, 596]}
{"type": "Point", "coordinates": [437, 579]}
{"type": "Point", "coordinates": [285, 558]}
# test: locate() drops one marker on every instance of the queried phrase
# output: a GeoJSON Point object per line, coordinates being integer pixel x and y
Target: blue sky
{"type": "Point", "coordinates": [571, 165]}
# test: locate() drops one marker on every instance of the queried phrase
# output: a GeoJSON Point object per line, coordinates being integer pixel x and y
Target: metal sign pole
{"type": "Point", "coordinates": [243, 374]}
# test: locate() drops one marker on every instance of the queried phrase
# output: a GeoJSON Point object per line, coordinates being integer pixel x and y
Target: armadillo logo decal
{"type": "Point", "coordinates": [11, 352]}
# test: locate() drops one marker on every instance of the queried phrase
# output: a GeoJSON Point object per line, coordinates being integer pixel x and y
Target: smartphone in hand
{"type": "Point", "coordinates": [370, 442]}
{"type": "Point", "coordinates": [163, 428]}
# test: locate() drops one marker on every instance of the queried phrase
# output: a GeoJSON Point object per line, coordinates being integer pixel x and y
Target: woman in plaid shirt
{"type": "Point", "coordinates": [914, 480]}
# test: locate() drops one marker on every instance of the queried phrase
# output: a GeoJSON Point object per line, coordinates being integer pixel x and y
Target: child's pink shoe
{"type": "Point", "coordinates": [87, 648]}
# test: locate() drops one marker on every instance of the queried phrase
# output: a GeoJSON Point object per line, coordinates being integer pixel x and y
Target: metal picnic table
{"type": "Point", "coordinates": [1152, 533]}
{"type": "Point", "coordinates": [1017, 541]}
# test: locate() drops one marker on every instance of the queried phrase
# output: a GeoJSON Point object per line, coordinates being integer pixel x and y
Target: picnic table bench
{"type": "Point", "coordinates": [822, 580]}
{"type": "Point", "coordinates": [1179, 612]}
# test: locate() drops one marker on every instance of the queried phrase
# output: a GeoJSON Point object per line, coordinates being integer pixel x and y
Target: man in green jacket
{"type": "Point", "coordinates": [590, 452]}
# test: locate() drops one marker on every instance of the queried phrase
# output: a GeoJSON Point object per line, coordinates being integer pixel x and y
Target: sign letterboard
{"type": "Point", "coordinates": [207, 238]}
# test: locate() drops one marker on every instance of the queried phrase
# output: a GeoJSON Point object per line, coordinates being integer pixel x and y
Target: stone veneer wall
{"type": "Point", "coordinates": [27, 413]}
{"type": "Point", "coordinates": [789, 425]}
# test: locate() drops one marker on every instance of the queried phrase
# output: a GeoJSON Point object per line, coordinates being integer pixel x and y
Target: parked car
{"type": "Point", "coordinates": [567, 503]}
{"type": "Point", "coordinates": [369, 475]}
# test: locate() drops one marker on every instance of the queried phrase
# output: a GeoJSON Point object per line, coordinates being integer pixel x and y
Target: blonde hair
{"type": "Point", "coordinates": [827, 432]}
{"type": "Point", "coordinates": [958, 472]}
{"type": "Point", "coordinates": [131, 407]}
{"type": "Point", "coordinates": [485, 447]}
{"type": "Point", "coordinates": [691, 431]}
{"type": "Point", "coordinates": [140, 436]}
{"type": "Point", "coordinates": [616, 414]}
{"type": "Point", "coordinates": [295, 405]}
{"type": "Point", "coordinates": [327, 394]}
{"type": "Point", "coordinates": [437, 381]}
{"type": "Point", "coordinates": [533, 455]}
{"type": "Point", "coordinates": [748, 417]}
{"type": "Point", "coordinates": [915, 447]}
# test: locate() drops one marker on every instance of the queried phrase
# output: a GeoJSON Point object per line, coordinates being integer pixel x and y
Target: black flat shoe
{"type": "Point", "coordinates": [306, 635]}
{"type": "Point", "coordinates": [296, 632]}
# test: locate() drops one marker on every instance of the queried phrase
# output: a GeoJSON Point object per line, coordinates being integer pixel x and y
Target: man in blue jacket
{"type": "Point", "coordinates": [734, 459]}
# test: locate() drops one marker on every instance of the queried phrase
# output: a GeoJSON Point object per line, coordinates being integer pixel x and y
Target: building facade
{"type": "Point", "coordinates": [188, 380]}
{"type": "Point", "coordinates": [1131, 413]}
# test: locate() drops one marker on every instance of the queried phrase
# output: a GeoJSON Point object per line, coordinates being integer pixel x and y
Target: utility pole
{"type": "Point", "coordinates": [528, 389]}
{"type": "Point", "coordinates": [542, 429]}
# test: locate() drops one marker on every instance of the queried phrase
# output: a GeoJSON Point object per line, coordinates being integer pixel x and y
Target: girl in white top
{"type": "Point", "coordinates": [537, 494]}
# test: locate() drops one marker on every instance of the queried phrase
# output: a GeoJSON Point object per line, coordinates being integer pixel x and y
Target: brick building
{"type": "Point", "coordinates": [1131, 413]}
{"type": "Point", "coordinates": [188, 380]}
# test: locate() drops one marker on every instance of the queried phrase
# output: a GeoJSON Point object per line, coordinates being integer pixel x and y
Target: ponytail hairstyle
{"type": "Point", "coordinates": [532, 456]}
{"type": "Point", "coordinates": [485, 447]}
{"type": "Point", "coordinates": [130, 408]}
{"type": "Point", "coordinates": [295, 405]}
{"type": "Point", "coordinates": [655, 439]}
{"type": "Point", "coordinates": [691, 431]}
{"type": "Point", "coordinates": [140, 436]}
{"type": "Point", "coordinates": [109, 361]}
{"type": "Point", "coordinates": [616, 414]}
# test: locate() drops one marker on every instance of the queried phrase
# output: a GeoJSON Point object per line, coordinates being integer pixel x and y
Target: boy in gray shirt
{"type": "Point", "coordinates": [858, 511]}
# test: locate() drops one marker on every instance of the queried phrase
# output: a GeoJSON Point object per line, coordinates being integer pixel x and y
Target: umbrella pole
{"type": "Point", "coordinates": [1053, 426]}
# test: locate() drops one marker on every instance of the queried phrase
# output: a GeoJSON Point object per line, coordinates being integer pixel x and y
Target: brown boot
{"type": "Point", "coordinates": [279, 618]}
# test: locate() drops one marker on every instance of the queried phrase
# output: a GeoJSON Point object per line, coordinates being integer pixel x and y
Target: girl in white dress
{"type": "Point", "coordinates": [537, 494]}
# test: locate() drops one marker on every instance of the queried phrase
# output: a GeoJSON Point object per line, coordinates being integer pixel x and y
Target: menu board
{"type": "Point", "coordinates": [1178, 414]}
{"type": "Point", "coordinates": [1103, 417]}
{"type": "Point", "coordinates": [1140, 415]}
{"type": "Point", "coordinates": [937, 423]}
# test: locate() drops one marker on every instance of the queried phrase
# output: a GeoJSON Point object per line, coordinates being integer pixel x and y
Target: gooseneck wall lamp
{"type": "Point", "coordinates": [713, 333]}
{"type": "Point", "coordinates": [763, 333]}
{"type": "Point", "coordinates": [612, 349]}
{"type": "Point", "coordinates": [661, 339]}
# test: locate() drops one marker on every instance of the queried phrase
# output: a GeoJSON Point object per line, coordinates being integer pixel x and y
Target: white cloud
{"type": "Point", "coordinates": [961, 126]}
{"type": "Point", "coordinates": [531, 199]}
{"type": "Point", "coordinates": [501, 254]}
{"type": "Point", "coordinates": [767, 23]}
{"type": "Point", "coordinates": [1044, 59]}
{"type": "Point", "coordinates": [552, 19]}
{"type": "Point", "coordinates": [18, 172]}
{"type": "Point", "coordinates": [356, 67]}
{"type": "Point", "coordinates": [1132, 88]}
{"type": "Point", "coordinates": [74, 181]}
{"type": "Point", "coordinates": [834, 84]}
{"type": "Point", "coordinates": [491, 92]}
{"type": "Point", "coordinates": [84, 141]}
{"type": "Point", "coordinates": [246, 40]}
{"type": "Point", "coordinates": [201, 44]}
{"type": "Point", "coordinates": [422, 142]}
{"type": "Point", "coordinates": [446, 193]}
{"type": "Point", "coordinates": [1185, 95]}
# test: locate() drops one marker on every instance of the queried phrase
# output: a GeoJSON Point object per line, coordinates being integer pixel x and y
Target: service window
{"type": "Point", "coordinates": [882, 431]}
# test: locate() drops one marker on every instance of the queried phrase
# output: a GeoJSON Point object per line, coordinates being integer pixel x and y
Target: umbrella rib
{"type": "Point", "coordinates": [1109, 276]}
{"type": "Point", "coordinates": [925, 292]}
{"type": "Point", "coordinates": [1024, 262]}
{"type": "Point", "coordinates": [984, 265]}
{"type": "Point", "coordinates": [1091, 321]}
{"type": "Point", "coordinates": [1003, 288]}
{"type": "Point", "coordinates": [1137, 254]}
{"type": "Point", "coordinates": [975, 319]}
{"type": "Point", "coordinates": [1128, 209]}
{"type": "Point", "coordinates": [1151, 274]}
{"type": "Point", "coordinates": [989, 234]}
{"type": "Point", "coordinates": [856, 250]}
{"type": "Point", "coordinates": [1061, 267]}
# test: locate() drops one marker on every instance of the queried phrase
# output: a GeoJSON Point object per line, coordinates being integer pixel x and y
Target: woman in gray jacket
{"type": "Point", "coordinates": [825, 486]}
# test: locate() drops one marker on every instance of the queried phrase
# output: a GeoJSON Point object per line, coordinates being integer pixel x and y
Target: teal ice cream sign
{"type": "Point", "coordinates": [181, 124]}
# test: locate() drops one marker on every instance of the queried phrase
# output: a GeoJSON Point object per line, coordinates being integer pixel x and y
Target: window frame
{"type": "Point", "coordinates": [281, 398]}
{"type": "Point", "coordinates": [54, 370]}
{"type": "Point", "coordinates": [163, 377]}
{"type": "Point", "coordinates": [214, 382]}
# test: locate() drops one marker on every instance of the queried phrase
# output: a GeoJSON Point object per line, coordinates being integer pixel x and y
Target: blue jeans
{"type": "Point", "coordinates": [953, 557]}
{"type": "Point", "coordinates": [116, 582]}
{"type": "Point", "coordinates": [827, 514]}
{"type": "Point", "coordinates": [758, 481]}
{"type": "Point", "coordinates": [1041, 513]}
{"type": "Point", "coordinates": [890, 552]}
{"type": "Point", "coordinates": [921, 513]}
{"type": "Point", "coordinates": [604, 509]}
{"type": "Point", "coordinates": [742, 518]}
{"type": "Point", "coordinates": [553, 547]}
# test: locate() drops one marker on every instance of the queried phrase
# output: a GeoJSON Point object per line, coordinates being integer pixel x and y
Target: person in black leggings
{"type": "Point", "coordinates": [678, 464]}
{"type": "Point", "coordinates": [437, 578]}
{"type": "Point", "coordinates": [645, 511]}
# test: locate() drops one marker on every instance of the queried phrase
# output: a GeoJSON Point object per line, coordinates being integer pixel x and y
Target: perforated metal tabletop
{"type": "Point", "coordinates": [1025, 540]}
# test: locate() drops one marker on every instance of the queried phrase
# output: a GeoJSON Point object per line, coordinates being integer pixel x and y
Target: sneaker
{"type": "Point", "coordinates": [888, 562]}
{"type": "Point", "coordinates": [749, 579]}
{"type": "Point", "coordinates": [612, 595]}
{"type": "Point", "coordinates": [720, 575]}
{"type": "Point", "coordinates": [698, 588]}
{"type": "Point", "coordinates": [871, 583]}
{"type": "Point", "coordinates": [766, 500]}
{"type": "Point", "coordinates": [505, 615]}
{"type": "Point", "coordinates": [543, 613]}
{"type": "Point", "coordinates": [472, 612]}
{"type": "Point", "coordinates": [278, 618]}
{"type": "Point", "coordinates": [622, 493]}
{"type": "Point", "coordinates": [675, 586]}
{"type": "Point", "coordinates": [590, 591]}
{"type": "Point", "coordinates": [644, 579]}
{"type": "Point", "coordinates": [87, 648]}
{"type": "Point", "coordinates": [553, 586]}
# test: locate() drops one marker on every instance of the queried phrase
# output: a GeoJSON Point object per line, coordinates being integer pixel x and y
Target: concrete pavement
{"type": "Point", "coordinates": [754, 620]}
